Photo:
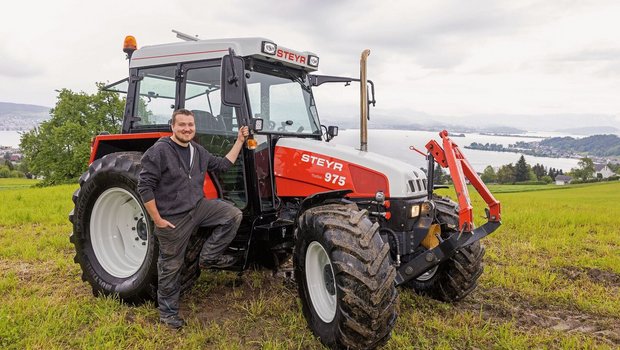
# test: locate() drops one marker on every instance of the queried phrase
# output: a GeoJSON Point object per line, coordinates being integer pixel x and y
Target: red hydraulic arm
{"type": "Point", "coordinates": [450, 157]}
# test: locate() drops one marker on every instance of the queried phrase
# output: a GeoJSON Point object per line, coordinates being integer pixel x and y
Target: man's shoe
{"type": "Point", "coordinates": [174, 321]}
{"type": "Point", "coordinates": [221, 262]}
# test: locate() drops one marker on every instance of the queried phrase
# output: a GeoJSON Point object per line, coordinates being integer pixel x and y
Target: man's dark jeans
{"type": "Point", "coordinates": [224, 217]}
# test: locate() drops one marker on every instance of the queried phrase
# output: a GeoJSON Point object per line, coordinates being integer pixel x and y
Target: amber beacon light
{"type": "Point", "coordinates": [130, 45]}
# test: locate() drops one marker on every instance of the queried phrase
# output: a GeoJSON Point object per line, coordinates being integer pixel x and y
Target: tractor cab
{"type": "Point", "coordinates": [277, 95]}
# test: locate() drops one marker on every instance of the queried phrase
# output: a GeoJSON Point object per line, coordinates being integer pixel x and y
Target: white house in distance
{"type": "Point", "coordinates": [602, 171]}
{"type": "Point", "coordinates": [562, 179]}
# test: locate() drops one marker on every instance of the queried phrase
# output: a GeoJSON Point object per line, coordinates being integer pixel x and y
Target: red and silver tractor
{"type": "Point", "coordinates": [356, 224]}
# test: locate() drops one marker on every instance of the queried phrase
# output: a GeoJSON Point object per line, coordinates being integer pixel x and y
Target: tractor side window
{"type": "Point", "coordinates": [202, 96]}
{"type": "Point", "coordinates": [156, 96]}
{"type": "Point", "coordinates": [258, 104]}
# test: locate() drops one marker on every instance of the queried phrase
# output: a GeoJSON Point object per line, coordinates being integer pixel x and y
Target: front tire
{"type": "Point", "coordinates": [345, 278]}
{"type": "Point", "coordinates": [454, 279]}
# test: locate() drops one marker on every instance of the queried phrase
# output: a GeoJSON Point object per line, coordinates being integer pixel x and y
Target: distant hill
{"type": "Point", "coordinates": [8, 107]}
{"type": "Point", "coordinates": [503, 130]}
{"type": "Point", "coordinates": [17, 116]}
{"type": "Point", "coordinates": [597, 145]}
{"type": "Point", "coordinates": [590, 130]}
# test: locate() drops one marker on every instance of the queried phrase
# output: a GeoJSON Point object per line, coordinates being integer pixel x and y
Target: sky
{"type": "Point", "coordinates": [495, 61]}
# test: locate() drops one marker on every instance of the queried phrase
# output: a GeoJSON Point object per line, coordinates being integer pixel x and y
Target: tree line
{"type": "Point", "coordinates": [10, 169]}
{"type": "Point", "coordinates": [524, 173]}
{"type": "Point", "coordinates": [520, 172]}
{"type": "Point", "coordinates": [597, 145]}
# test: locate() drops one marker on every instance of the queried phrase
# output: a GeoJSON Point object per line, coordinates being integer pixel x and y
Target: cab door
{"type": "Point", "coordinates": [216, 125]}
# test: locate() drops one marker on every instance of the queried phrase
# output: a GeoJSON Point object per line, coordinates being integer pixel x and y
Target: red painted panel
{"type": "Point", "coordinates": [111, 137]}
{"type": "Point", "coordinates": [209, 188]}
{"type": "Point", "coordinates": [366, 181]}
{"type": "Point", "coordinates": [300, 173]}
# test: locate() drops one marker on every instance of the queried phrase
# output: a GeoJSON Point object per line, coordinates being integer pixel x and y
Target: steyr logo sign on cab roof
{"type": "Point", "coordinates": [291, 56]}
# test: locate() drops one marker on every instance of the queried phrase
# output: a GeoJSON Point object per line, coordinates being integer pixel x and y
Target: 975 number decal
{"type": "Point", "coordinates": [335, 179]}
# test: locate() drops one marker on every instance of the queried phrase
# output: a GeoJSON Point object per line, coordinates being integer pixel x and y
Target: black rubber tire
{"type": "Point", "coordinates": [119, 170]}
{"type": "Point", "coordinates": [366, 296]}
{"type": "Point", "coordinates": [458, 277]}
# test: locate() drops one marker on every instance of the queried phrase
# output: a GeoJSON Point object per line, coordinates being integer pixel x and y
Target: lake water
{"type": "Point", "coordinates": [395, 144]}
{"type": "Point", "coordinates": [9, 138]}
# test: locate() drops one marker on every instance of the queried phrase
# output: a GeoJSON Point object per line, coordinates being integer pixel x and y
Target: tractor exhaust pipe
{"type": "Point", "coordinates": [363, 102]}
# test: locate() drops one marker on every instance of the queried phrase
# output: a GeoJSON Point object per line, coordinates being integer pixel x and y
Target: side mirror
{"type": "Point", "coordinates": [233, 79]}
{"type": "Point", "coordinates": [332, 131]}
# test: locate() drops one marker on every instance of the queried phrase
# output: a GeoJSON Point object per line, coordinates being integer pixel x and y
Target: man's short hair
{"type": "Point", "coordinates": [180, 111]}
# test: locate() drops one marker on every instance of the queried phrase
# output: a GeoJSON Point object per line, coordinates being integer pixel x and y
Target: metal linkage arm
{"type": "Point", "coordinates": [450, 157]}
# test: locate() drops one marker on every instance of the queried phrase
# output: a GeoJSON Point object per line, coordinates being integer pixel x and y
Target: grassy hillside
{"type": "Point", "coordinates": [552, 280]}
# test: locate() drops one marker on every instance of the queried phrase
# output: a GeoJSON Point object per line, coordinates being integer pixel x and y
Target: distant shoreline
{"type": "Point", "coordinates": [513, 135]}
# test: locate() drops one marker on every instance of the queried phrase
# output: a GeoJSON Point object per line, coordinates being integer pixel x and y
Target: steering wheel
{"type": "Point", "coordinates": [285, 124]}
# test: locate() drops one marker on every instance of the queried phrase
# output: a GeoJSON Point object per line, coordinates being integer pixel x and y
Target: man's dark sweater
{"type": "Point", "coordinates": [166, 178]}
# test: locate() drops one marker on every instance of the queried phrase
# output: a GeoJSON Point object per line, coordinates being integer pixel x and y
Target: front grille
{"type": "Point", "coordinates": [412, 186]}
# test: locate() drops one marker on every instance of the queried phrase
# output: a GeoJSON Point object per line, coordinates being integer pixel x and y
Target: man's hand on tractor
{"type": "Point", "coordinates": [243, 133]}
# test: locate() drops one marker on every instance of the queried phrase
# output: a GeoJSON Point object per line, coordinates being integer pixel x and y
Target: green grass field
{"type": "Point", "coordinates": [552, 280]}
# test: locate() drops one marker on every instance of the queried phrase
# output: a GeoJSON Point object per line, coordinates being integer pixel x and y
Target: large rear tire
{"type": "Point", "coordinates": [345, 277]}
{"type": "Point", "coordinates": [113, 234]}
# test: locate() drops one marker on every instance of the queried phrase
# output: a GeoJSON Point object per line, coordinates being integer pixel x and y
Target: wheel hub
{"type": "Point", "coordinates": [118, 232]}
{"type": "Point", "coordinates": [428, 274]}
{"type": "Point", "coordinates": [328, 276]}
{"type": "Point", "coordinates": [141, 229]}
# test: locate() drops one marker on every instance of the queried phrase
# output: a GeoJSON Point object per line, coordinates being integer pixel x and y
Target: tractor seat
{"type": "Point", "coordinates": [205, 121]}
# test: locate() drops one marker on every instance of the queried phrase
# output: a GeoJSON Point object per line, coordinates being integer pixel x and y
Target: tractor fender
{"type": "Point", "coordinates": [320, 198]}
{"type": "Point", "coordinates": [112, 143]}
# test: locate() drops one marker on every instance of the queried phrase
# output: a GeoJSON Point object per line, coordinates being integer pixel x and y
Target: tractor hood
{"type": "Point", "coordinates": [303, 167]}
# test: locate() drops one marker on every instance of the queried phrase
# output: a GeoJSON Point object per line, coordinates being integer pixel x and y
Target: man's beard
{"type": "Point", "coordinates": [185, 138]}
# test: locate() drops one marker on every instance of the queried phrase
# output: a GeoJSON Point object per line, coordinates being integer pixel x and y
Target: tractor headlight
{"type": "Point", "coordinates": [313, 61]}
{"type": "Point", "coordinates": [380, 196]}
{"type": "Point", "coordinates": [415, 211]}
{"type": "Point", "coordinates": [257, 124]}
{"type": "Point", "coordinates": [269, 48]}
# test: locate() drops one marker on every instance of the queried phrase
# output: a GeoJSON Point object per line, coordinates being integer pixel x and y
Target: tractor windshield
{"type": "Point", "coordinates": [283, 99]}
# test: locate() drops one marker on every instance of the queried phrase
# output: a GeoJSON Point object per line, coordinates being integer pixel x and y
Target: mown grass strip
{"type": "Point", "coordinates": [14, 183]}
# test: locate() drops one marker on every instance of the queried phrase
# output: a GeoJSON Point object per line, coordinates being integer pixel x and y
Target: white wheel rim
{"type": "Point", "coordinates": [322, 295]}
{"type": "Point", "coordinates": [428, 274]}
{"type": "Point", "coordinates": [117, 228]}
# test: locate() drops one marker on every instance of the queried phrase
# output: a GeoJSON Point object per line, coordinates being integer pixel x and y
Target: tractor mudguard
{"type": "Point", "coordinates": [337, 196]}
{"type": "Point", "coordinates": [112, 143]}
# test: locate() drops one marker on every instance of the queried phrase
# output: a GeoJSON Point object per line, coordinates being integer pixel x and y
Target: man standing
{"type": "Point", "coordinates": [171, 187]}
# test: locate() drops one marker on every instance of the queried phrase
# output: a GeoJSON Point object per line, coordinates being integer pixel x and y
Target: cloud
{"type": "Point", "coordinates": [12, 67]}
{"type": "Point", "coordinates": [444, 57]}
{"type": "Point", "coordinates": [591, 55]}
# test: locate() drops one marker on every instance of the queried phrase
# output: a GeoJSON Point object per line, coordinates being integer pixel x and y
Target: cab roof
{"type": "Point", "coordinates": [187, 51]}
